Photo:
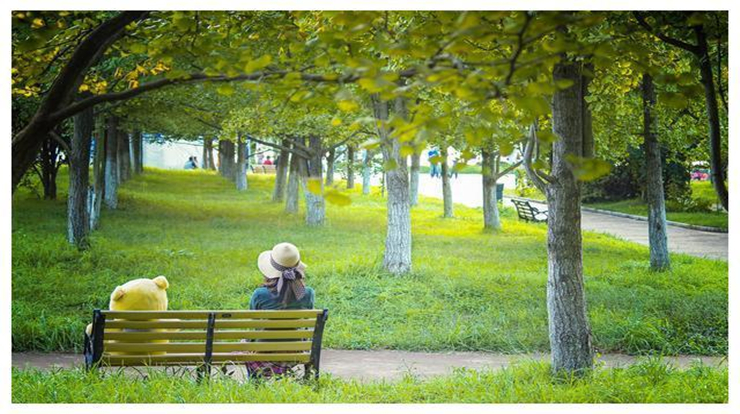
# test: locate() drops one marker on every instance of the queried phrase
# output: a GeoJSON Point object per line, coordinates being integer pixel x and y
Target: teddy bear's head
{"type": "Point", "coordinates": [141, 295]}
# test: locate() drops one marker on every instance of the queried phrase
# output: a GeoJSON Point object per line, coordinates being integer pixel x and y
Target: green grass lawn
{"type": "Point", "coordinates": [648, 382]}
{"type": "Point", "coordinates": [470, 290]}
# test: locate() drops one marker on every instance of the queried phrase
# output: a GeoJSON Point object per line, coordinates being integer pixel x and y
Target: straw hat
{"type": "Point", "coordinates": [284, 254]}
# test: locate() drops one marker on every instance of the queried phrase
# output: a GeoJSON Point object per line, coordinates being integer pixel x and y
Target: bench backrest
{"type": "Point", "coordinates": [524, 209]}
{"type": "Point", "coordinates": [136, 338]}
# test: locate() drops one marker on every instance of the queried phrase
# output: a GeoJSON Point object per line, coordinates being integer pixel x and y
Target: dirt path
{"type": "Point", "coordinates": [390, 365]}
{"type": "Point", "coordinates": [466, 190]}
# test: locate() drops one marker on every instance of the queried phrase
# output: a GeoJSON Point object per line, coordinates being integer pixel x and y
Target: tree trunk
{"type": "Point", "coordinates": [137, 156]}
{"type": "Point", "coordinates": [78, 218]}
{"type": "Point", "coordinates": [366, 171]}
{"type": "Point", "coordinates": [124, 156]}
{"type": "Point", "coordinates": [241, 165]}
{"type": "Point", "coordinates": [715, 134]}
{"type": "Point", "coordinates": [281, 173]}
{"type": "Point", "coordinates": [570, 333]}
{"type": "Point", "coordinates": [397, 258]}
{"type": "Point", "coordinates": [206, 156]}
{"type": "Point", "coordinates": [330, 166]}
{"type": "Point", "coordinates": [658, 239]}
{"type": "Point", "coordinates": [414, 179]}
{"type": "Point", "coordinates": [446, 186]}
{"type": "Point", "coordinates": [221, 157]}
{"type": "Point", "coordinates": [315, 206]}
{"type": "Point", "coordinates": [291, 198]}
{"type": "Point", "coordinates": [211, 161]}
{"type": "Point", "coordinates": [111, 164]}
{"type": "Point", "coordinates": [49, 167]}
{"type": "Point", "coordinates": [97, 193]}
{"type": "Point", "coordinates": [226, 156]}
{"type": "Point", "coordinates": [491, 220]}
{"type": "Point", "coordinates": [350, 167]}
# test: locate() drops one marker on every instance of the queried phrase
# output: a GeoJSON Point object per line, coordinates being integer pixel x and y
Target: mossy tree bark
{"type": "Point", "coordinates": [366, 171]}
{"type": "Point", "coordinates": [330, 158]}
{"type": "Point", "coordinates": [315, 205]}
{"type": "Point", "coordinates": [491, 219]}
{"type": "Point", "coordinates": [281, 173]}
{"type": "Point", "coordinates": [397, 257]}
{"type": "Point", "coordinates": [414, 179]}
{"type": "Point", "coordinates": [350, 167]}
{"type": "Point", "coordinates": [657, 234]}
{"type": "Point", "coordinates": [570, 333]}
{"type": "Point", "coordinates": [98, 190]}
{"type": "Point", "coordinates": [241, 164]}
{"type": "Point", "coordinates": [111, 163]}
{"type": "Point", "coordinates": [294, 184]}
{"type": "Point", "coordinates": [78, 217]}
{"type": "Point", "coordinates": [124, 156]}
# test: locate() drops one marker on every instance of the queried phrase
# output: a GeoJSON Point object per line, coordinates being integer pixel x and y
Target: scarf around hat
{"type": "Point", "coordinates": [290, 280]}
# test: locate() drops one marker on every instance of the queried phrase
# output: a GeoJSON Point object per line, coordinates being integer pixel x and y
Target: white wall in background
{"type": "Point", "coordinates": [171, 155]}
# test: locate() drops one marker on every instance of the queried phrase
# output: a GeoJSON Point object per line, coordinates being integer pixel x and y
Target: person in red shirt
{"type": "Point", "coordinates": [267, 161]}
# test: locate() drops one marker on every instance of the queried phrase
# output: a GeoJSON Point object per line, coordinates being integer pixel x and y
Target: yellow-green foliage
{"type": "Point", "coordinates": [470, 289]}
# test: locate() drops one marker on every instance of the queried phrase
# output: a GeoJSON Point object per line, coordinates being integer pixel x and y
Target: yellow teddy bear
{"type": "Point", "coordinates": [139, 295]}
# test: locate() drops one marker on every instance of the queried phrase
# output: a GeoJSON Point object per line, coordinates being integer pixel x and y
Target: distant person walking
{"type": "Point", "coordinates": [433, 163]}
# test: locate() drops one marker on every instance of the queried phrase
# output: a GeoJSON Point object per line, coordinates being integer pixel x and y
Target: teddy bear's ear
{"type": "Point", "coordinates": [118, 293]}
{"type": "Point", "coordinates": [162, 282]}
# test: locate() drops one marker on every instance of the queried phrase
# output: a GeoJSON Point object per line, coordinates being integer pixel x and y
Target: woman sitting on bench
{"type": "Point", "coordinates": [283, 288]}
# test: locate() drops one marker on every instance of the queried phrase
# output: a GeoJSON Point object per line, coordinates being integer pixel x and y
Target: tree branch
{"type": "Point", "coordinates": [662, 36]}
{"type": "Point", "coordinates": [537, 179]}
{"type": "Point", "coordinates": [296, 151]}
{"type": "Point", "coordinates": [509, 169]}
{"type": "Point", "coordinates": [60, 141]}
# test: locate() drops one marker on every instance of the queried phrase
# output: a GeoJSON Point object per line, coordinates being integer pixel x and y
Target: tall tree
{"type": "Point", "coordinates": [111, 163]}
{"type": "Point", "coordinates": [241, 164]}
{"type": "Point", "coordinates": [78, 217]}
{"type": "Point", "coordinates": [700, 51]}
{"type": "Point", "coordinates": [570, 332]}
{"type": "Point", "coordinates": [657, 231]}
{"type": "Point", "coordinates": [281, 172]}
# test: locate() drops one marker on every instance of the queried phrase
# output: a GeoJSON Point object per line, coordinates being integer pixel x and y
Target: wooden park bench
{"type": "Point", "coordinates": [264, 169]}
{"type": "Point", "coordinates": [528, 213]}
{"type": "Point", "coordinates": [205, 338]}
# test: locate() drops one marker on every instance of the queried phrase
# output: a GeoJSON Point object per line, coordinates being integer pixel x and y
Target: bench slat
{"type": "Point", "coordinates": [220, 324]}
{"type": "Point", "coordinates": [195, 335]}
{"type": "Point", "coordinates": [139, 360]}
{"type": "Point", "coordinates": [226, 314]}
{"type": "Point", "coordinates": [180, 348]}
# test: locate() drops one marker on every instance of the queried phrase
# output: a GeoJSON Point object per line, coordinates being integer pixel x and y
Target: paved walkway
{"type": "Point", "coordinates": [390, 365]}
{"type": "Point", "coordinates": [466, 189]}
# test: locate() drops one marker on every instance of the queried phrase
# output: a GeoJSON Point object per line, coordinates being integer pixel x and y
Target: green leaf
{"type": "Point", "coordinates": [371, 144]}
{"type": "Point", "coordinates": [257, 64]}
{"type": "Point", "coordinates": [588, 169]}
{"type": "Point", "coordinates": [225, 89]}
{"type": "Point", "coordinates": [546, 136]}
